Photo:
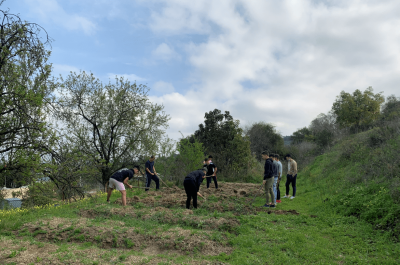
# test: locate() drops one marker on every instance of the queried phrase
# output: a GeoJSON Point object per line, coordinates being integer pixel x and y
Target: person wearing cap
{"type": "Point", "coordinates": [268, 179]}
{"type": "Point", "coordinates": [119, 180]}
{"type": "Point", "coordinates": [191, 184]}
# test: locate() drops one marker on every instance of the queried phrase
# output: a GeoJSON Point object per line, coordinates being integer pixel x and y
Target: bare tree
{"type": "Point", "coordinates": [113, 124]}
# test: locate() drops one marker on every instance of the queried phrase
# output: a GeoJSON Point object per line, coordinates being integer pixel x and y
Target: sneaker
{"type": "Point", "coordinates": [278, 201]}
{"type": "Point", "coordinates": [285, 196]}
{"type": "Point", "coordinates": [292, 198]}
{"type": "Point", "coordinates": [272, 206]}
{"type": "Point", "coordinates": [266, 205]}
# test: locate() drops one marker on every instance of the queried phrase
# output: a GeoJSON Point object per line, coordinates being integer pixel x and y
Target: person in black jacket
{"type": "Point", "coordinates": [118, 180]}
{"type": "Point", "coordinates": [268, 179]}
{"type": "Point", "coordinates": [211, 172]}
{"type": "Point", "coordinates": [192, 185]}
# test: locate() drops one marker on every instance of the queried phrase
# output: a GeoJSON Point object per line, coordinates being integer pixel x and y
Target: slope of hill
{"type": "Point", "coordinates": [360, 177]}
{"type": "Point", "coordinates": [345, 212]}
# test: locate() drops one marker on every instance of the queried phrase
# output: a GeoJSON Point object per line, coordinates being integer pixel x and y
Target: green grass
{"type": "Point", "coordinates": [323, 232]}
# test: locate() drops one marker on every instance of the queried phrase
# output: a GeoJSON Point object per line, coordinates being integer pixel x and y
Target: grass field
{"type": "Point", "coordinates": [156, 229]}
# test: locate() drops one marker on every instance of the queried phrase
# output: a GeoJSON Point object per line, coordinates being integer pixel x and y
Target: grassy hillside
{"type": "Point", "coordinates": [360, 177]}
{"type": "Point", "coordinates": [344, 213]}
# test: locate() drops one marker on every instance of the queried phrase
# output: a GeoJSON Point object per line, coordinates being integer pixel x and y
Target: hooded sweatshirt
{"type": "Point", "coordinates": [268, 169]}
{"type": "Point", "coordinates": [197, 177]}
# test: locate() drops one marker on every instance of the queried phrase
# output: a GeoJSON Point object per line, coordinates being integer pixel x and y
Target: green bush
{"type": "Point", "coordinates": [37, 200]}
{"type": "Point", "coordinates": [372, 203]}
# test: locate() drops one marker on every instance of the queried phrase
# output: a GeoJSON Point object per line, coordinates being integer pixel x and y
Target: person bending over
{"type": "Point", "coordinates": [192, 185]}
{"type": "Point", "coordinates": [119, 180]}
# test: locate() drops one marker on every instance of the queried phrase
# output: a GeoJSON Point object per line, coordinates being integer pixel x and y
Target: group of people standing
{"type": "Point", "coordinates": [273, 176]}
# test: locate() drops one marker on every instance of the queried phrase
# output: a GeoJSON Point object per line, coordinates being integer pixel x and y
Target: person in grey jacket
{"type": "Point", "coordinates": [277, 176]}
{"type": "Point", "coordinates": [278, 192]}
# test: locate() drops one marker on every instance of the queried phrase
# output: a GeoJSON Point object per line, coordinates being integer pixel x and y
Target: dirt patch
{"type": "Point", "coordinates": [172, 197]}
{"type": "Point", "coordinates": [27, 253]}
{"type": "Point", "coordinates": [24, 252]}
{"type": "Point", "coordinates": [187, 218]}
{"type": "Point", "coordinates": [185, 240]}
{"type": "Point", "coordinates": [285, 212]}
{"type": "Point", "coordinates": [178, 240]}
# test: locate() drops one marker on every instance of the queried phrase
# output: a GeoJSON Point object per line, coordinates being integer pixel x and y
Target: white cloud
{"type": "Point", "coordinates": [51, 10]}
{"type": "Point", "coordinates": [163, 87]}
{"type": "Point", "coordinates": [184, 111]}
{"type": "Point", "coordinates": [165, 52]}
{"type": "Point", "coordinates": [297, 55]}
{"type": "Point", "coordinates": [64, 70]}
{"type": "Point", "coordinates": [130, 77]}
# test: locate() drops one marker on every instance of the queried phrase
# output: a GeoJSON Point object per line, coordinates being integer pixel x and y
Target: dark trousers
{"type": "Point", "coordinates": [148, 181]}
{"type": "Point", "coordinates": [291, 179]}
{"type": "Point", "coordinates": [209, 181]}
{"type": "Point", "coordinates": [191, 192]}
{"type": "Point", "coordinates": [278, 192]}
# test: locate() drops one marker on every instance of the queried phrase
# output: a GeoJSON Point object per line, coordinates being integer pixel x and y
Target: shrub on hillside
{"type": "Point", "coordinates": [372, 203]}
{"type": "Point", "coordinates": [39, 194]}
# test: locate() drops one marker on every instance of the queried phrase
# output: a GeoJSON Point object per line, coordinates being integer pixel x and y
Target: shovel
{"type": "Point", "coordinates": [162, 180]}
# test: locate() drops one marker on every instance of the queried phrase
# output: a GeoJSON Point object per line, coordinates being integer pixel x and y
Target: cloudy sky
{"type": "Point", "coordinates": [281, 62]}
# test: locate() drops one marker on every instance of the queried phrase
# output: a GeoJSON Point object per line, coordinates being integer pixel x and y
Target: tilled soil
{"type": "Point", "coordinates": [231, 197]}
{"type": "Point", "coordinates": [176, 240]}
{"type": "Point", "coordinates": [160, 206]}
{"type": "Point", "coordinates": [166, 215]}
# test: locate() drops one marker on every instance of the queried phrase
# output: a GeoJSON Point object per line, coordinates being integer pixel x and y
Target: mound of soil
{"type": "Point", "coordinates": [285, 212]}
{"type": "Point", "coordinates": [170, 197]}
{"type": "Point", "coordinates": [176, 240]}
{"type": "Point", "coordinates": [166, 215]}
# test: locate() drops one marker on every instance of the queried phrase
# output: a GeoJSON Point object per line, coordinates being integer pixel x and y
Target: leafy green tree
{"type": "Point", "coordinates": [222, 138]}
{"type": "Point", "coordinates": [301, 135]}
{"type": "Point", "coordinates": [166, 158]}
{"type": "Point", "coordinates": [357, 110]}
{"type": "Point", "coordinates": [25, 89]}
{"type": "Point", "coordinates": [238, 156]}
{"type": "Point", "coordinates": [191, 154]}
{"type": "Point", "coordinates": [391, 109]}
{"type": "Point", "coordinates": [114, 124]}
{"type": "Point", "coordinates": [71, 171]}
{"type": "Point", "coordinates": [323, 129]}
{"type": "Point", "coordinates": [263, 136]}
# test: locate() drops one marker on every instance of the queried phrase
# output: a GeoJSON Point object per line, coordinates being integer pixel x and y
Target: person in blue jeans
{"type": "Point", "coordinates": [275, 168]}
{"type": "Point", "coordinates": [278, 192]}
{"type": "Point", "coordinates": [151, 174]}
